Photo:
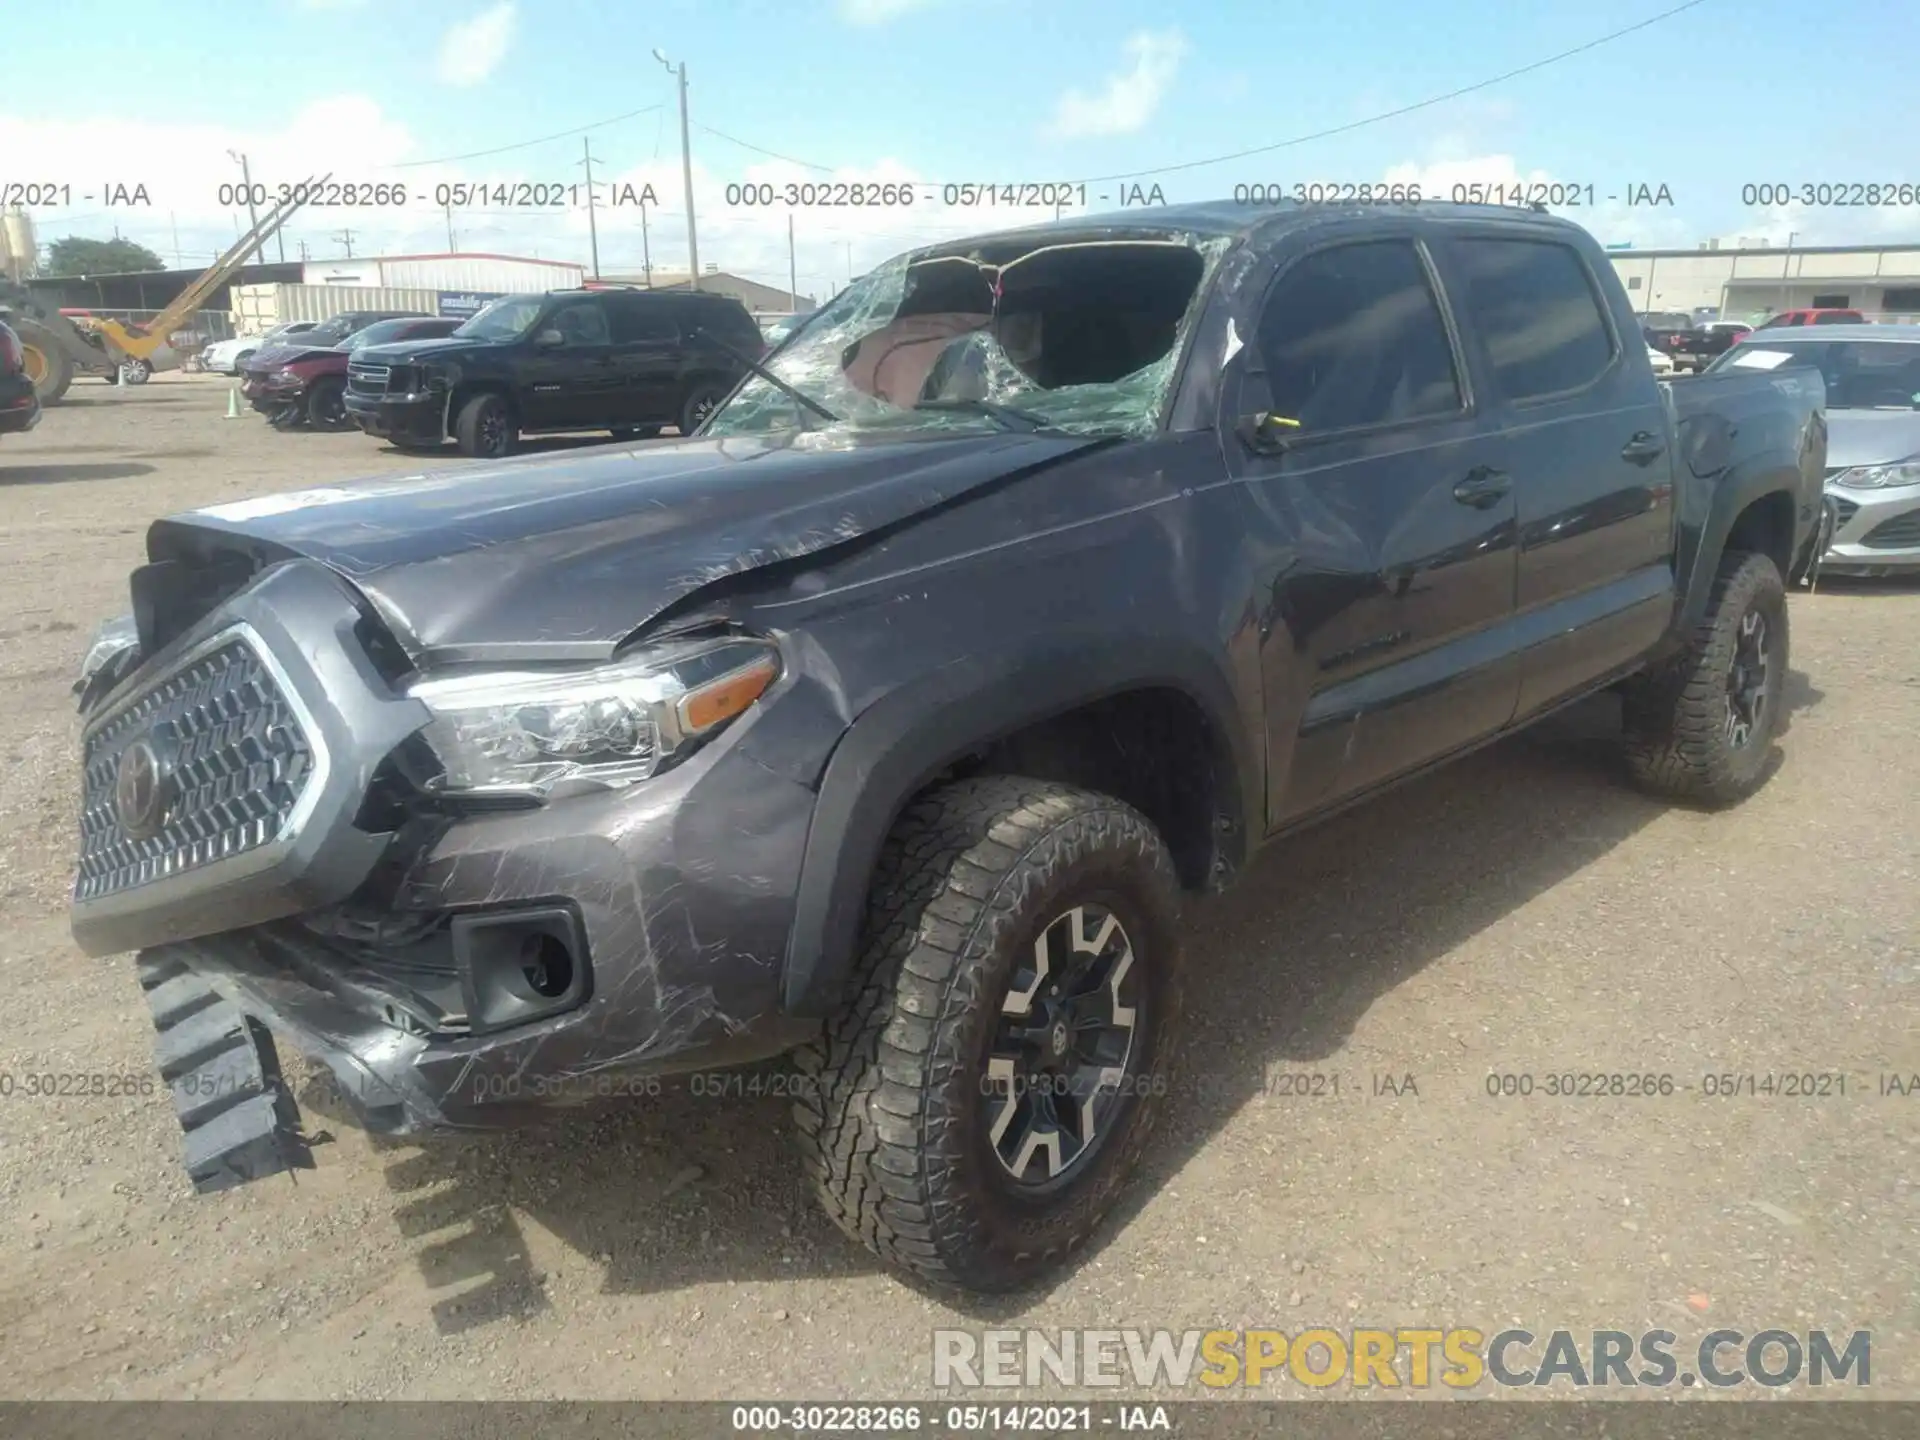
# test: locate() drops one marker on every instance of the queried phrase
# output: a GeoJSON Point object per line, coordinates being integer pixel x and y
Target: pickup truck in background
{"type": "Point", "coordinates": [1687, 345]}
{"type": "Point", "coordinates": [1037, 582]}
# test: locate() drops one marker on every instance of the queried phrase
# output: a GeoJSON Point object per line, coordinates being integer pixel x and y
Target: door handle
{"type": "Point", "coordinates": [1643, 449]}
{"type": "Point", "coordinates": [1482, 487]}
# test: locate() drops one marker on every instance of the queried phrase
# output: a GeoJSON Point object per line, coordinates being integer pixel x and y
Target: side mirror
{"type": "Point", "coordinates": [548, 339]}
{"type": "Point", "coordinates": [1265, 433]}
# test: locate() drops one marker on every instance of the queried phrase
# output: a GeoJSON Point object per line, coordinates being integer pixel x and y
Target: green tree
{"type": "Point", "coordinates": [77, 256]}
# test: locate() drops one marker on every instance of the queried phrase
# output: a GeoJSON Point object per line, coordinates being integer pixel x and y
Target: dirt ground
{"type": "Point", "coordinates": [1522, 913]}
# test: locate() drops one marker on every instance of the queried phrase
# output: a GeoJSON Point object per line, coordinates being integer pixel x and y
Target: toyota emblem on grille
{"type": "Point", "coordinates": [143, 789]}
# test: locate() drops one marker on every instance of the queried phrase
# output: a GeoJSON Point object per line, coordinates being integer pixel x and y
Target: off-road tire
{"type": "Point", "coordinates": [327, 405]}
{"type": "Point", "coordinates": [55, 365]}
{"type": "Point", "coordinates": [471, 430]}
{"type": "Point", "coordinates": [889, 1100]}
{"type": "Point", "coordinates": [1677, 742]}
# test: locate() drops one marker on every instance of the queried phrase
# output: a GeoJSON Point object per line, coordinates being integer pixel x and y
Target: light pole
{"type": "Point", "coordinates": [686, 170]}
{"type": "Point", "coordinates": [253, 215]}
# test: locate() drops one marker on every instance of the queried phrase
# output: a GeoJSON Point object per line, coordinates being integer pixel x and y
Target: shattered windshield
{"type": "Point", "coordinates": [1074, 335]}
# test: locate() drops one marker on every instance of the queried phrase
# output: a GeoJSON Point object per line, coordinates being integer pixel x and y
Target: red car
{"type": "Point", "coordinates": [1804, 317]}
{"type": "Point", "coordinates": [296, 385]}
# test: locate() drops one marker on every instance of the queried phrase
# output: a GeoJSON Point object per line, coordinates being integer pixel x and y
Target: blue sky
{"type": "Point", "coordinates": [1727, 93]}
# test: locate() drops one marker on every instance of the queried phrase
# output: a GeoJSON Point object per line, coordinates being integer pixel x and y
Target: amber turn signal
{"type": "Point", "coordinates": [706, 706]}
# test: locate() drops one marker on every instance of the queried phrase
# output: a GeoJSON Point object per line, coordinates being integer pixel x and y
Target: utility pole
{"type": "Point", "coordinates": [646, 247]}
{"type": "Point", "coordinates": [345, 237]}
{"type": "Point", "coordinates": [686, 171]}
{"type": "Point", "coordinates": [849, 262]}
{"type": "Point", "coordinates": [793, 279]}
{"type": "Point", "coordinates": [303, 251]}
{"type": "Point", "coordinates": [593, 229]}
{"type": "Point", "coordinates": [178, 262]}
{"type": "Point", "coordinates": [451, 245]}
{"type": "Point", "coordinates": [253, 214]}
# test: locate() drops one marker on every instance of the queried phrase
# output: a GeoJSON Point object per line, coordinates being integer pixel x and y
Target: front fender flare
{"type": "Point", "coordinates": [901, 742]}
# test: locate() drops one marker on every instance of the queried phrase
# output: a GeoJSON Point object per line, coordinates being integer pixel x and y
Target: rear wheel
{"type": "Point", "coordinates": [702, 400]}
{"type": "Point", "coordinates": [1701, 728]}
{"type": "Point", "coordinates": [48, 366]}
{"type": "Point", "coordinates": [981, 1102]}
{"type": "Point", "coordinates": [486, 428]}
{"type": "Point", "coordinates": [135, 371]}
{"type": "Point", "coordinates": [327, 405]}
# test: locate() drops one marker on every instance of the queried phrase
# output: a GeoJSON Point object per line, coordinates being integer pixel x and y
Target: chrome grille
{"type": "Point", "coordinates": [367, 379]}
{"type": "Point", "coordinates": [1902, 532]}
{"type": "Point", "coordinates": [235, 761]}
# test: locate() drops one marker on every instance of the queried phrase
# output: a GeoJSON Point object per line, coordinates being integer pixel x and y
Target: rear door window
{"type": "Point", "coordinates": [1537, 313]}
{"type": "Point", "coordinates": [637, 321]}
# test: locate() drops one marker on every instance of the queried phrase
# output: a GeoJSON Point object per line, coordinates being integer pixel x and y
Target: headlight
{"type": "Point", "coordinates": [1880, 477]}
{"type": "Point", "coordinates": [528, 733]}
{"type": "Point", "coordinates": [292, 377]}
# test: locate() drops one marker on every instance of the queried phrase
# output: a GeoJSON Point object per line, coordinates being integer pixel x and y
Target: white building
{"type": "Point", "coordinates": [1751, 282]}
{"type": "Point", "coordinates": [480, 273]}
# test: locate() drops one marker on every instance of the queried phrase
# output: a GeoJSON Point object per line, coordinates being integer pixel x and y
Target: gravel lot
{"type": "Point", "coordinates": [1522, 912]}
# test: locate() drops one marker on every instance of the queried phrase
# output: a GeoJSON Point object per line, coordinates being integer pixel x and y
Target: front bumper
{"type": "Point", "coordinates": [421, 418]}
{"type": "Point", "coordinates": [1878, 531]}
{"type": "Point", "coordinates": [271, 397]}
{"type": "Point", "coordinates": [359, 949]}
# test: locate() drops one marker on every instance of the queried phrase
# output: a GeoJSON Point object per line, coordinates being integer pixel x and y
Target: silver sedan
{"type": "Point", "coordinates": [1873, 435]}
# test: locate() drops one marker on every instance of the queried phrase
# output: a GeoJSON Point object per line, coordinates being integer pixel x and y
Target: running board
{"type": "Point", "coordinates": [233, 1103]}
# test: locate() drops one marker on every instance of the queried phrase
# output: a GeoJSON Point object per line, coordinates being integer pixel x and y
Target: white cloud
{"type": "Point", "coordinates": [879, 12]}
{"type": "Point", "coordinates": [1129, 98]}
{"type": "Point", "coordinates": [473, 49]}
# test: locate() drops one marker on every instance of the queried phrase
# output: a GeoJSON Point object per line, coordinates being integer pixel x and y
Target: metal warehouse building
{"type": "Point", "coordinates": [487, 274]}
{"type": "Point", "coordinates": [1753, 282]}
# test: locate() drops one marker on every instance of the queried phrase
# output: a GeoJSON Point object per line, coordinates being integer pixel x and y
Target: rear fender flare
{"type": "Point", "coordinates": [903, 741]}
{"type": "Point", "coordinates": [1730, 499]}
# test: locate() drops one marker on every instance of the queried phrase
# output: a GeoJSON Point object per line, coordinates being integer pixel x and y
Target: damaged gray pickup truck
{"type": "Point", "coordinates": [1034, 582]}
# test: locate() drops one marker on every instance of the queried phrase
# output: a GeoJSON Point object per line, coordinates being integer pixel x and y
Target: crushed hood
{"type": "Point", "coordinates": [565, 557]}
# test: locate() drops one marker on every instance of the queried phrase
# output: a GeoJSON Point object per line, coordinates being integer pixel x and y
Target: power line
{"type": "Point", "coordinates": [772, 154]}
{"type": "Point", "coordinates": [1428, 103]}
{"type": "Point", "coordinates": [1404, 109]}
{"type": "Point", "coordinates": [522, 144]}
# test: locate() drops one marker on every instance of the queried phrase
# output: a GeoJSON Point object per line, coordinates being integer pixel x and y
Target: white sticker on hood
{"type": "Point", "coordinates": [1749, 359]}
{"type": "Point", "coordinates": [1233, 342]}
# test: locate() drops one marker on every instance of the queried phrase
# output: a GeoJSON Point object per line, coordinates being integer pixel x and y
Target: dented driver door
{"type": "Point", "coordinates": [1385, 517]}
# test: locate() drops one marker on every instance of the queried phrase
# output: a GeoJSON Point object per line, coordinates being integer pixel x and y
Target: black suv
{"type": "Point", "coordinates": [629, 361]}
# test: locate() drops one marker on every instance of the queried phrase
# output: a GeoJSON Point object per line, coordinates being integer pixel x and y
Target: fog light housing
{"type": "Point", "coordinates": [520, 965]}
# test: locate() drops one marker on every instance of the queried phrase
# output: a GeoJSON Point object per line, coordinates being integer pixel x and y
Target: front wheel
{"type": "Point", "coordinates": [135, 372]}
{"type": "Point", "coordinates": [1701, 728]}
{"type": "Point", "coordinates": [486, 428]}
{"type": "Point", "coordinates": [327, 406]}
{"type": "Point", "coordinates": [982, 1100]}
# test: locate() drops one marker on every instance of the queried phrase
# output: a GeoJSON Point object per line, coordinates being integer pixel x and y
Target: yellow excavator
{"type": "Point", "coordinates": [56, 349]}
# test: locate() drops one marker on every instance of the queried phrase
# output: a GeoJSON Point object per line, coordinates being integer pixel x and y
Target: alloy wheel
{"type": "Point", "coordinates": [1062, 1047]}
{"type": "Point", "coordinates": [1748, 680]}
